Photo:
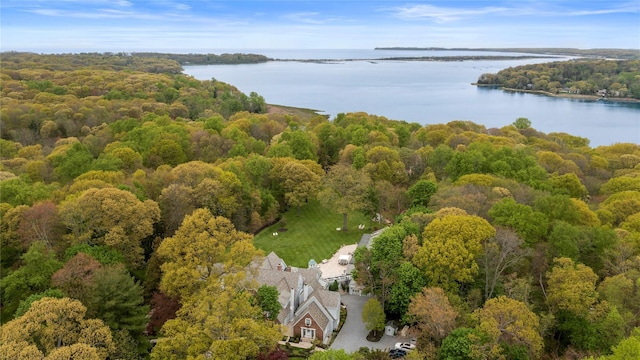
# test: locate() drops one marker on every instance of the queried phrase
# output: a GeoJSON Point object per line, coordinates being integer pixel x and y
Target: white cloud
{"type": "Point", "coordinates": [446, 14]}
{"type": "Point", "coordinates": [97, 14]}
{"type": "Point", "coordinates": [304, 17]}
{"type": "Point", "coordinates": [440, 14]}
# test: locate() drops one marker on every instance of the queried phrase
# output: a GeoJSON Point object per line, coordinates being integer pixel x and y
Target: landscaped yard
{"type": "Point", "coordinates": [313, 235]}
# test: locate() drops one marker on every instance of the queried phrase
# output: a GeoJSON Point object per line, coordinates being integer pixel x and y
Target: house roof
{"type": "Point", "coordinates": [283, 314]}
{"type": "Point", "coordinates": [284, 281]}
{"type": "Point", "coordinates": [330, 299]}
{"type": "Point", "coordinates": [311, 307]}
{"type": "Point", "coordinates": [272, 261]}
{"type": "Point", "coordinates": [318, 300]}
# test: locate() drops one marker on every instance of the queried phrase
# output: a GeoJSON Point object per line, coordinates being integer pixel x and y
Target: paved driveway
{"type": "Point", "coordinates": [354, 333]}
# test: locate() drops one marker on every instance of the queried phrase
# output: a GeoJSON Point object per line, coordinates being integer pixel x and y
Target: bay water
{"type": "Point", "coordinates": [425, 92]}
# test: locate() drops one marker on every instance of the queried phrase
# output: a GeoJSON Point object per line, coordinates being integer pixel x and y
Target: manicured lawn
{"type": "Point", "coordinates": [313, 235]}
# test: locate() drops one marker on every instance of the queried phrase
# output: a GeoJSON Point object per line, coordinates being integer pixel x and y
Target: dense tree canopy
{"type": "Point", "coordinates": [126, 185]}
{"type": "Point", "coordinates": [619, 78]}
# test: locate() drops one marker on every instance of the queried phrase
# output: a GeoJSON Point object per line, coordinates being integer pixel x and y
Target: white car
{"type": "Point", "coordinates": [405, 346]}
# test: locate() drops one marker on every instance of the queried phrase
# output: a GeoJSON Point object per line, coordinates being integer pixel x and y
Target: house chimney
{"type": "Point", "coordinates": [305, 292]}
{"type": "Point", "coordinates": [279, 266]}
{"type": "Point", "coordinates": [293, 300]}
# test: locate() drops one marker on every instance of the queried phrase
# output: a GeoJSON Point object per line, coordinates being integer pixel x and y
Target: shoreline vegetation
{"type": "Point", "coordinates": [595, 78]}
{"type": "Point", "coordinates": [559, 95]}
{"type": "Point", "coordinates": [303, 113]}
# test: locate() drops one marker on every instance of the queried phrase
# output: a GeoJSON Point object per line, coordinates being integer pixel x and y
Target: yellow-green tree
{"type": "Point", "coordinates": [508, 321]}
{"type": "Point", "coordinates": [373, 315]}
{"type": "Point", "coordinates": [344, 190]}
{"type": "Point", "coordinates": [300, 183]}
{"type": "Point", "coordinates": [450, 247]}
{"type": "Point", "coordinates": [220, 322]}
{"type": "Point", "coordinates": [57, 329]}
{"type": "Point", "coordinates": [571, 286]}
{"type": "Point", "coordinates": [204, 247]}
{"type": "Point", "coordinates": [111, 217]}
{"type": "Point", "coordinates": [205, 265]}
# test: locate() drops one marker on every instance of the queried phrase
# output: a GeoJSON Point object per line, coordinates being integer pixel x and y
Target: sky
{"type": "Point", "coordinates": [210, 26]}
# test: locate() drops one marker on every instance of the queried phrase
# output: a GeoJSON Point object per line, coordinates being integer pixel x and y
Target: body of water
{"type": "Point", "coordinates": [426, 92]}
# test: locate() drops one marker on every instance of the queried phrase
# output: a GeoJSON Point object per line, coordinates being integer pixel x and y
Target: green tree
{"type": "Point", "coordinates": [373, 316]}
{"type": "Point", "coordinates": [31, 278]}
{"type": "Point", "coordinates": [628, 348]}
{"type": "Point", "coordinates": [458, 345]}
{"type": "Point", "coordinates": [26, 303]}
{"type": "Point", "coordinates": [116, 298]}
{"type": "Point", "coordinates": [421, 192]}
{"type": "Point", "coordinates": [267, 298]}
{"type": "Point", "coordinates": [301, 145]}
{"type": "Point", "coordinates": [331, 354]}
{"type": "Point", "coordinates": [409, 280]}
{"type": "Point", "coordinates": [300, 183]}
{"type": "Point", "coordinates": [530, 225]}
{"type": "Point", "coordinates": [71, 163]}
{"type": "Point", "coordinates": [344, 190]}
{"type": "Point", "coordinates": [522, 123]}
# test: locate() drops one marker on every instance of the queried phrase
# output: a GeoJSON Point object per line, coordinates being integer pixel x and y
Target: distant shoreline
{"type": "Point", "coordinates": [622, 54]}
{"type": "Point", "coordinates": [423, 58]}
{"type": "Point", "coordinates": [561, 95]}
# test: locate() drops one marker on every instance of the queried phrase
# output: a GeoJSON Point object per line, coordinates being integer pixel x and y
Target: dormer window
{"type": "Point", "coordinates": [307, 322]}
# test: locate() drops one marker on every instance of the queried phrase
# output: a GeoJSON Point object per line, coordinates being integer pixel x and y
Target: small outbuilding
{"type": "Point", "coordinates": [391, 328]}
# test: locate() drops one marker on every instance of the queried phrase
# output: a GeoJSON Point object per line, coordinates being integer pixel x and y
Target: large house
{"type": "Point", "coordinates": [309, 311]}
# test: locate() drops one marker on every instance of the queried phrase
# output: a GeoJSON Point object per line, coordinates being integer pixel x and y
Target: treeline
{"type": "Point", "coordinates": [40, 105]}
{"type": "Point", "coordinates": [129, 217]}
{"type": "Point", "coordinates": [206, 59]}
{"type": "Point", "coordinates": [88, 61]}
{"type": "Point", "coordinates": [610, 78]}
{"type": "Point", "coordinates": [628, 54]}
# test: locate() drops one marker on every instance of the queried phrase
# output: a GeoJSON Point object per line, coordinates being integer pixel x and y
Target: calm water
{"type": "Point", "coordinates": [420, 91]}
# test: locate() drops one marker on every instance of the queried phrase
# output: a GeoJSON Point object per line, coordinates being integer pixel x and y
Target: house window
{"type": "Point", "coordinates": [307, 322]}
{"type": "Point", "coordinates": [308, 333]}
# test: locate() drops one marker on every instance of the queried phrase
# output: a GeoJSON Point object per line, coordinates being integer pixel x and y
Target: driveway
{"type": "Point", "coordinates": [354, 333]}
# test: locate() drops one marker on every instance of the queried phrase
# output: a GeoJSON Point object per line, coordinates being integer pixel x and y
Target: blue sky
{"type": "Point", "coordinates": [52, 26]}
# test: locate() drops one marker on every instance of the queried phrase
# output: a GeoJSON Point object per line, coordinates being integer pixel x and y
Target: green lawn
{"type": "Point", "coordinates": [313, 235]}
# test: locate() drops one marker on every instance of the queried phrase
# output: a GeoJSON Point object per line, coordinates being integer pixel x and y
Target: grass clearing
{"type": "Point", "coordinates": [313, 235]}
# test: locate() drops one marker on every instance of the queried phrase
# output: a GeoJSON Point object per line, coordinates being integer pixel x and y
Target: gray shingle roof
{"type": "Point", "coordinates": [316, 313]}
{"type": "Point", "coordinates": [328, 298]}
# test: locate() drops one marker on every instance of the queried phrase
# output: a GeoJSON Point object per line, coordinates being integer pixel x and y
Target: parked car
{"type": "Point", "coordinates": [397, 353]}
{"type": "Point", "coordinates": [405, 346]}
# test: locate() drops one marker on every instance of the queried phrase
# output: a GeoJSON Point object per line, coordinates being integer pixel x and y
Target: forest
{"type": "Point", "coordinates": [130, 194]}
{"type": "Point", "coordinates": [618, 79]}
